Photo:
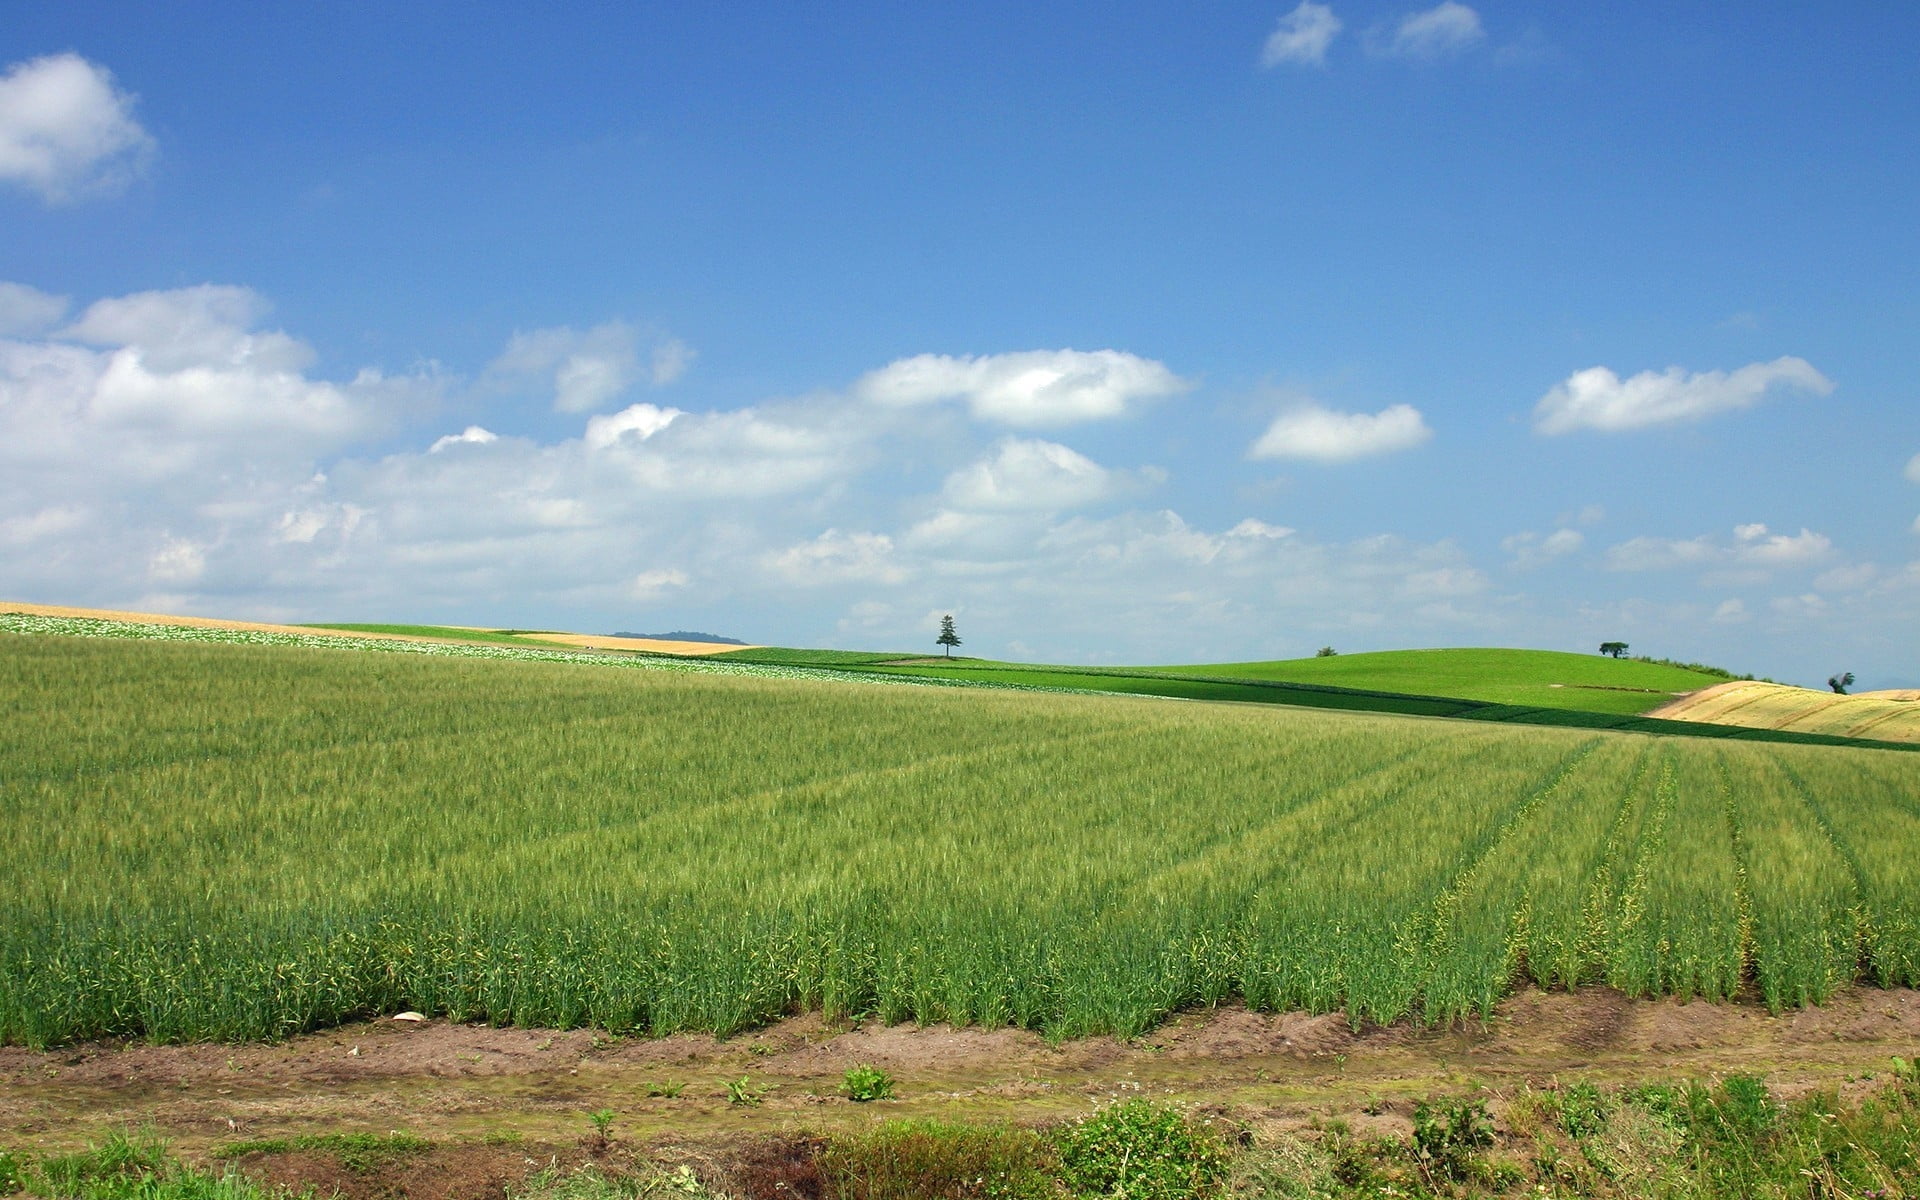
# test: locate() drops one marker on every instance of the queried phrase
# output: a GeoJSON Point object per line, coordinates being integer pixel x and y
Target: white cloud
{"type": "Point", "coordinates": [671, 358]}
{"type": "Point", "coordinates": [1025, 389]}
{"type": "Point", "coordinates": [1596, 398]}
{"type": "Point", "coordinates": [204, 326]}
{"type": "Point", "coordinates": [836, 557]}
{"type": "Point", "coordinates": [471, 435]}
{"type": "Point", "coordinates": [652, 585]}
{"type": "Point", "coordinates": [31, 527]}
{"type": "Point", "coordinates": [642, 421]}
{"type": "Point", "coordinates": [178, 561]}
{"type": "Point", "coordinates": [1913, 469]}
{"type": "Point", "coordinates": [1752, 546]}
{"type": "Point", "coordinates": [1530, 549]}
{"type": "Point", "coordinates": [1323, 435]}
{"type": "Point", "coordinates": [1252, 527]}
{"type": "Point", "coordinates": [1658, 554]}
{"type": "Point", "coordinates": [1302, 36]}
{"type": "Point", "coordinates": [66, 131]}
{"type": "Point", "coordinates": [1808, 606]}
{"type": "Point", "coordinates": [589, 368]}
{"type": "Point", "coordinates": [1849, 578]}
{"type": "Point", "coordinates": [1730, 612]}
{"type": "Point", "coordinates": [26, 311]}
{"type": "Point", "coordinates": [1446, 29]}
{"type": "Point", "coordinates": [1029, 474]}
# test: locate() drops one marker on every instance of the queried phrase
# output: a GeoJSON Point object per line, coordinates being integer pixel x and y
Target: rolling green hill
{"type": "Point", "coordinates": [1532, 678]}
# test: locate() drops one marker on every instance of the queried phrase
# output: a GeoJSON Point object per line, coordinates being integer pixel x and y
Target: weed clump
{"type": "Point", "coordinates": [1142, 1151]}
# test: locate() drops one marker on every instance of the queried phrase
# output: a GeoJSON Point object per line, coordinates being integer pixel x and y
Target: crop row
{"type": "Point", "coordinates": [244, 841]}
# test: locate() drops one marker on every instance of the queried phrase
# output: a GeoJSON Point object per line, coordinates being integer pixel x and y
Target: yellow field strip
{"type": "Point", "coordinates": [593, 641]}
{"type": "Point", "coordinates": [1892, 716]}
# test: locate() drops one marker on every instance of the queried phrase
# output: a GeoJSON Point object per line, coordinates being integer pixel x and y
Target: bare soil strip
{"type": "Point", "coordinates": [465, 1084]}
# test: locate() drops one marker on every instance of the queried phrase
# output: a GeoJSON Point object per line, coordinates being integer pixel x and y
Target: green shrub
{"type": "Point", "coordinates": [1141, 1151]}
{"type": "Point", "coordinates": [867, 1083]}
{"type": "Point", "coordinates": [1583, 1110]}
{"type": "Point", "coordinates": [1446, 1136]}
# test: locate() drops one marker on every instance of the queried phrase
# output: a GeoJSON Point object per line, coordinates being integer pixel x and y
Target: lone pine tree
{"type": "Point", "coordinates": [948, 637]}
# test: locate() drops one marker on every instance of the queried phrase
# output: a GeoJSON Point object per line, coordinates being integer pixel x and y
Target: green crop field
{"type": "Point", "coordinates": [242, 841]}
{"type": "Point", "coordinates": [1521, 678]}
{"type": "Point", "coordinates": [1525, 687]}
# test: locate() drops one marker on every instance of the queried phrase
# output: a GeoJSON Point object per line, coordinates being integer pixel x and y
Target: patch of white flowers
{"type": "Point", "coordinates": [97, 627]}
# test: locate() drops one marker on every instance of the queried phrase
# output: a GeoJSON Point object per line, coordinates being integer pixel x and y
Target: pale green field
{"type": "Point", "coordinates": [214, 841]}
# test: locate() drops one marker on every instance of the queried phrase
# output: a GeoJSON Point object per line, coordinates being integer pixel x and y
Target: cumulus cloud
{"type": "Point", "coordinates": [652, 585]}
{"type": "Point", "coordinates": [1751, 546]}
{"type": "Point", "coordinates": [1029, 474]}
{"type": "Point", "coordinates": [1323, 435]}
{"type": "Point", "coordinates": [66, 131]}
{"type": "Point", "coordinates": [589, 368]}
{"type": "Point", "coordinates": [1438, 32]}
{"type": "Point", "coordinates": [639, 421]}
{"type": "Point", "coordinates": [1596, 398]}
{"type": "Point", "coordinates": [180, 377]}
{"type": "Point", "coordinates": [26, 311]}
{"type": "Point", "coordinates": [836, 557]}
{"type": "Point", "coordinates": [1302, 36]}
{"type": "Point", "coordinates": [1913, 469]}
{"type": "Point", "coordinates": [471, 435]}
{"type": "Point", "coordinates": [1530, 549]}
{"type": "Point", "coordinates": [1026, 389]}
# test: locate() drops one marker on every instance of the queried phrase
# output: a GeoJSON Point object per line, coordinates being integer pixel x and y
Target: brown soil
{"type": "Point", "coordinates": [502, 1103]}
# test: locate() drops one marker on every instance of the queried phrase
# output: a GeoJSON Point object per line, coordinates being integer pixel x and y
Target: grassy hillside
{"type": "Point", "coordinates": [1532, 678]}
{"type": "Point", "coordinates": [253, 840]}
{"type": "Point", "coordinates": [1519, 678]}
{"type": "Point", "coordinates": [1756, 705]}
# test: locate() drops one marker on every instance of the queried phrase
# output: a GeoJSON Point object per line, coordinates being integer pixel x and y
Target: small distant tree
{"type": "Point", "coordinates": [948, 637]}
{"type": "Point", "coordinates": [1841, 682]}
{"type": "Point", "coordinates": [1325, 652]}
{"type": "Point", "coordinates": [1613, 649]}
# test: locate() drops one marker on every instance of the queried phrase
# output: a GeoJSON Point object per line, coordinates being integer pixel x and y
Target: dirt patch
{"type": "Point", "coordinates": [460, 1085]}
{"type": "Point", "coordinates": [474, 1172]}
{"type": "Point", "coordinates": [1230, 1033]}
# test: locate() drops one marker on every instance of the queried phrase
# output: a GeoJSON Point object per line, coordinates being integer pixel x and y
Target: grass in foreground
{"type": "Point", "coordinates": [257, 841]}
{"type": "Point", "coordinates": [1723, 1139]}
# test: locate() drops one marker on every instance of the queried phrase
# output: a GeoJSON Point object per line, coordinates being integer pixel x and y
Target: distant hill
{"type": "Point", "coordinates": [683, 635]}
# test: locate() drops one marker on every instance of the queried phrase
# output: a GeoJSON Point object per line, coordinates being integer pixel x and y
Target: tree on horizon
{"type": "Point", "coordinates": [948, 637]}
{"type": "Point", "coordinates": [1613, 649]}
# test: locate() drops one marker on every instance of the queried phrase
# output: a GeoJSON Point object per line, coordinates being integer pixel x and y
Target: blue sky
{"type": "Point", "coordinates": [1124, 333]}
